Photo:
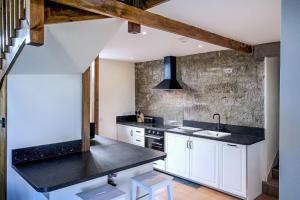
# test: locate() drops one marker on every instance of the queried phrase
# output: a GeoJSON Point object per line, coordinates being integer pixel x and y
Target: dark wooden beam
{"type": "Point", "coordinates": [152, 3]}
{"type": "Point", "coordinates": [113, 8]}
{"type": "Point", "coordinates": [57, 13]}
{"type": "Point", "coordinates": [35, 15]}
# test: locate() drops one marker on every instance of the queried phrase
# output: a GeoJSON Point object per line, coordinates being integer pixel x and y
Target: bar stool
{"type": "Point", "coordinates": [151, 182]}
{"type": "Point", "coordinates": [105, 192]}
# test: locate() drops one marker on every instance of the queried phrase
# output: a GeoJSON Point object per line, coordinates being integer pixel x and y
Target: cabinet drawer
{"type": "Point", "coordinates": [139, 131]}
{"type": "Point", "coordinates": [138, 140]}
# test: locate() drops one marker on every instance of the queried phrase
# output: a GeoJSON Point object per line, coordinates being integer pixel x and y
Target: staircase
{"type": "Point", "coordinates": [270, 187]}
{"type": "Point", "coordinates": [13, 32]}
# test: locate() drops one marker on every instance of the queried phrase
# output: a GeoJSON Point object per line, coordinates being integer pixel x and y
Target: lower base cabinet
{"type": "Point", "coordinates": [233, 168]}
{"type": "Point", "coordinates": [204, 161]}
{"type": "Point", "coordinates": [215, 164]}
{"type": "Point", "coordinates": [176, 147]}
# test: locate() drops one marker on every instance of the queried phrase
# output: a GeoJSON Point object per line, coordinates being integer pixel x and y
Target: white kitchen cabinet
{"type": "Point", "coordinates": [204, 160]}
{"type": "Point", "coordinates": [176, 147]}
{"type": "Point", "coordinates": [138, 137]}
{"type": "Point", "coordinates": [233, 168]}
{"type": "Point", "coordinates": [131, 135]}
{"type": "Point", "coordinates": [124, 133]}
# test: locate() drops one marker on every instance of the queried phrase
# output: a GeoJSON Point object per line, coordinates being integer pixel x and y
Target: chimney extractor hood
{"type": "Point", "coordinates": [170, 82]}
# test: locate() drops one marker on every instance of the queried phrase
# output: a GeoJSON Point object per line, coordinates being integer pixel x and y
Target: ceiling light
{"type": "Point", "coordinates": [200, 46]}
{"type": "Point", "coordinates": [183, 39]}
{"type": "Point", "coordinates": [144, 33]}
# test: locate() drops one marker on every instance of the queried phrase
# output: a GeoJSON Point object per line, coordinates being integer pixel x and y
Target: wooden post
{"type": "Point", "coordinates": [3, 139]}
{"type": "Point", "coordinates": [96, 94]}
{"type": "Point", "coordinates": [85, 134]}
{"type": "Point", "coordinates": [35, 15]}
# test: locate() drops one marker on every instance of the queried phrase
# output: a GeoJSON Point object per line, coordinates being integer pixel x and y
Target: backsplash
{"type": "Point", "coordinates": [225, 82]}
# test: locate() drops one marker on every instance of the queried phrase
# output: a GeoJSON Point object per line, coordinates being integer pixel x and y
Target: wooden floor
{"type": "Point", "coordinates": [184, 192]}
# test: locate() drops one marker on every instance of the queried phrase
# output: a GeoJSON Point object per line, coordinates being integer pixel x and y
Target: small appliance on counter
{"type": "Point", "coordinates": [140, 117]}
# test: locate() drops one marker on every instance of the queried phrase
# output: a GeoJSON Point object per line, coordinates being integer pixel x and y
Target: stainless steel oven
{"type": "Point", "coordinates": [155, 139]}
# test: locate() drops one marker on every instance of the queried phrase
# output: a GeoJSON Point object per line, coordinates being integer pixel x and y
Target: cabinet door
{"type": "Point", "coordinates": [177, 150]}
{"type": "Point", "coordinates": [124, 133]}
{"type": "Point", "coordinates": [233, 168]}
{"type": "Point", "coordinates": [204, 161]}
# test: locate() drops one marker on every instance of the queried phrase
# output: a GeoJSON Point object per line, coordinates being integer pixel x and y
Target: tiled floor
{"type": "Point", "coordinates": [185, 192]}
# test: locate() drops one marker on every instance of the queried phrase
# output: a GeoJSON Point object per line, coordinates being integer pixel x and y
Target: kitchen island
{"type": "Point", "coordinates": [65, 176]}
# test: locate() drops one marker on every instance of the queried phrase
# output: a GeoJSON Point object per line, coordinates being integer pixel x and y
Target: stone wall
{"type": "Point", "coordinates": [225, 82]}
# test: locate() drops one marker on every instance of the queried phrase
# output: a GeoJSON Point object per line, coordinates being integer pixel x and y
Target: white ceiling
{"type": "Point", "coordinates": [249, 21]}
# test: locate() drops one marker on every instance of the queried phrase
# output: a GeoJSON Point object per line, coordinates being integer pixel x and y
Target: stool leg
{"type": "Point", "coordinates": [133, 190]}
{"type": "Point", "coordinates": [151, 195]}
{"type": "Point", "coordinates": [170, 191]}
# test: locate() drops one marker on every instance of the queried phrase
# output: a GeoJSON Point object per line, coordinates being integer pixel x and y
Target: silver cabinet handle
{"type": "Point", "coordinates": [154, 137]}
{"type": "Point", "coordinates": [131, 133]}
{"type": "Point", "coordinates": [232, 145]}
{"type": "Point", "coordinates": [187, 144]}
{"type": "Point", "coordinates": [138, 140]}
{"type": "Point", "coordinates": [191, 144]}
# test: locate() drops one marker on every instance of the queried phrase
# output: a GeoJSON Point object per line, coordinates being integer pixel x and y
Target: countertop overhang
{"type": "Point", "coordinates": [105, 157]}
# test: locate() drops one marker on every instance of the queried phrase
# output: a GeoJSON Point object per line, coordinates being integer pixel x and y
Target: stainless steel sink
{"type": "Point", "coordinates": [214, 134]}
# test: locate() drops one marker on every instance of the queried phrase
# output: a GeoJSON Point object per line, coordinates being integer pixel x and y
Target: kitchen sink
{"type": "Point", "coordinates": [214, 134]}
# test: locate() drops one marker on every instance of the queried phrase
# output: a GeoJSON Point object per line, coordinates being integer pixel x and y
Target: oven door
{"type": "Point", "coordinates": [154, 142]}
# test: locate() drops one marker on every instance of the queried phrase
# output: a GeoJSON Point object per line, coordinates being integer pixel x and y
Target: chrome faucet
{"type": "Point", "coordinates": [219, 120]}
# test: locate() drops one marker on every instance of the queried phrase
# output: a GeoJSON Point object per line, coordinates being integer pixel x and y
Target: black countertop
{"type": "Point", "coordinates": [105, 157]}
{"type": "Point", "coordinates": [154, 126]}
{"type": "Point", "coordinates": [237, 133]}
{"type": "Point", "coordinates": [233, 138]}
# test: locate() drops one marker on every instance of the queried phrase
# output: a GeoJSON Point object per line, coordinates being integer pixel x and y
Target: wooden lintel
{"type": "Point", "coordinates": [35, 15]}
{"type": "Point", "coordinates": [113, 8]}
{"type": "Point", "coordinates": [57, 13]}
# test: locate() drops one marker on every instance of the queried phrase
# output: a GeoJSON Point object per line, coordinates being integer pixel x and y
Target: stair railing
{"type": "Point", "coordinates": [12, 32]}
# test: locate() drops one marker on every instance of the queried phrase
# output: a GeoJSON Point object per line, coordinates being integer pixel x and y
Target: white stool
{"type": "Point", "coordinates": [151, 182]}
{"type": "Point", "coordinates": [105, 192]}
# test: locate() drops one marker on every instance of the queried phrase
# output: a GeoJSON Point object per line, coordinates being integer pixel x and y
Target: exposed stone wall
{"type": "Point", "coordinates": [226, 82]}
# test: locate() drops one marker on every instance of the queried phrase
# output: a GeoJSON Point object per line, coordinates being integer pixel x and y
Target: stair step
{"type": "Point", "coordinates": [271, 187]}
{"type": "Point", "coordinates": [275, 173]}
{"type": "Point", "coordinates": [266, 197]}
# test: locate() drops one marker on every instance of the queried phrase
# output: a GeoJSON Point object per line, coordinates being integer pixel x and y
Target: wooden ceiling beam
{"type": "Point", "coordinates": [57, 13]}
{"type": "Point", "coordinates": [113, 8]}
{"type": "Point", "coordinates": [152, 3]}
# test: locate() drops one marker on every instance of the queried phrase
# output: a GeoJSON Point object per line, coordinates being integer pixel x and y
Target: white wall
{"type": "Point", "coordinates": [289, 138]}
{"type": "Point", "coordinates": [69, 47]}
{"type": "Point", "coordinates": [271, 143]}
{"type": "Point", "coordinates": [42, 109]}
{"type": "Point", "coordinates": [116, 94]}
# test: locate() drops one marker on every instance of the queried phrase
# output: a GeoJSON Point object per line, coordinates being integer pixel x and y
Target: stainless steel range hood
{"type": "Point", "coordinates": [170, 82]}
